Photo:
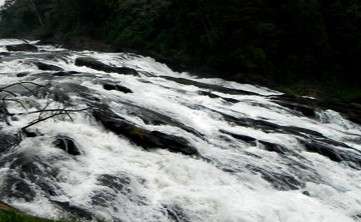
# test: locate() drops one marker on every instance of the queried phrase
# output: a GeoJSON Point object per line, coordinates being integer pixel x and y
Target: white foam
{"type": "Point", "coordinates": [200, 189]}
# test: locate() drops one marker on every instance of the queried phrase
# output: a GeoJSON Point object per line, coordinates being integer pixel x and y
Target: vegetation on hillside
{"type": "Point", "coordinates": [301, 44]}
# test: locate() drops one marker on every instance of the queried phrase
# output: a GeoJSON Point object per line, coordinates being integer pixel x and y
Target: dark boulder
{"type": "Point", "coordinates": [142, 137]}
{"type": "Point", "coordinates": [22, 47]}
{"type": "Point", "coordinates": [67, 144]}
{"type": "Point", "coordinates": [47, 67]}
{"type": "Point", "coordinates": [108, 86]}
{"type": "Point", "coordinates": [97, 65]}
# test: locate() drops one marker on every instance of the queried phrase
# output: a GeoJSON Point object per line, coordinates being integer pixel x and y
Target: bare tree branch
{"type": "Point", "coordinates": [20, 83]}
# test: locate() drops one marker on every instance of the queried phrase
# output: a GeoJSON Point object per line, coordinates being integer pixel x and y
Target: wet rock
{"type": "Point", "coordinates": [306, 193]}
{"type": "Point", "coordinates": [31, 133]}
{"type": "Point", "coordinates": [7, 141]}
{"type": "Point", "coordinates": [119, 184]}
{"type": "Point", "coordinates": [22, 74]}
{"type": "Point", "coordinates": [335, 154]}
{"type": "Point", "coordinates": [212, 95]}
{"type": "Point", "coordinates": [279, 180]}
{"type": "Point", "coordinates": [142, 137]}
{"type": "Point", "coordinates": [47, 187]}
{"type": "Point", "coordinates": [293, 104]}
{"type": "Point", "coordinates": [357, 216]}
{"type": "Point", "coordinates": [152, 117]}
{"type": "Point", "coordinates": [74, 210]}
{"type": "Point", "coordinates": [176, 214]}
{"type": "Point", "coordinates": [116, 182]}
{"type": "Point", "coordinates": [269, 127]}
{"type": "Point", "coordinates": [244, 138]}
{"type": "Point", "coordinates": [97, 65]}
{"type": "Point", "coordinates": [65, 73]}
{"type": "Point", "coordinates": [35, 172]}
{"type": "Point", "coordinates": [209, 94]}
{"type": "Point", "coordinates": [67, 144]}
{"type": "Point", "coordinates": [5, 53]}
{"type": "Point", "coordinates": [170, 142]}
{"type": "Point", "coordinates": [267, 145]}
{"type": "Point", "coordinates": [117, 87]}
{"type": "Point", "coordinates": [102, 198]}
{"type": "Point", "coordinates": [209, 86]}
{"type": "Point", "coordinates": [252, 123]}
{"type": "Point", "coordinates": [22, 47]}
{"type": "Point", "coordinates": [47, 67]}
{"type": "Point", "coordinates": [273, 147]}
{"type": "Point", "coordinates": [15, 187]}
{"type": "Point", "coordinates": [351, 110]}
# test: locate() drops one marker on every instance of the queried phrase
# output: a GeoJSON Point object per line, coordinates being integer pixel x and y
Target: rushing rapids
{"type": "Point", "coordinates": [121, 137]}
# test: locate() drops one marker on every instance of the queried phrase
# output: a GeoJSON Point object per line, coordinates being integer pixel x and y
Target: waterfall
{"type": "Point", "coordinates": [121, 137]}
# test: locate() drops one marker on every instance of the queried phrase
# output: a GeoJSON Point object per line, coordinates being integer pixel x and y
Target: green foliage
{"type": "Point", "coordinates": [11, 216]}
{"type": "Point", "coordinates": [287, 41]}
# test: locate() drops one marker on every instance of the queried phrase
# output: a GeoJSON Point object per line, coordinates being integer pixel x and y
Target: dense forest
{"type": "Point", "coordinates": [312, 47]}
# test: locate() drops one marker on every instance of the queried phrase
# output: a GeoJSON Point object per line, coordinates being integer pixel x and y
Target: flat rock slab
{"type": "Point", "coordinates": [97, 65]}
{"type": "Point", "coordinates": [22, 48]}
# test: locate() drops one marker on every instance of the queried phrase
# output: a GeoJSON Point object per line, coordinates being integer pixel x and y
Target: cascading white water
{"type": "Point", "coordinates": [251, 164]}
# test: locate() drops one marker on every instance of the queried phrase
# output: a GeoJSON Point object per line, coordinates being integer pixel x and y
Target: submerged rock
{"type": "Point", "coordinates": [97, 65]}
{"type": "Point", "coordinates": [22, 47]}
{"type": "Point", "coordinates": [67, 144]}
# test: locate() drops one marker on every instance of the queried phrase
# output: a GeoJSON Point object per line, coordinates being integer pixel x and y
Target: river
{"type": "Point", "coordinates": [145, 143]}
